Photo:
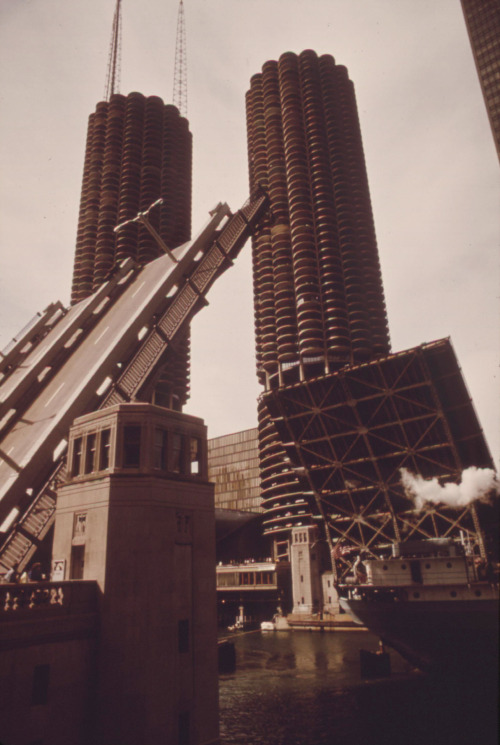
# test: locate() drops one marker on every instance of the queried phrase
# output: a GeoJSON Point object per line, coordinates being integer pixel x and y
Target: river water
{"type": "Point", "coordinates": [305, 688]}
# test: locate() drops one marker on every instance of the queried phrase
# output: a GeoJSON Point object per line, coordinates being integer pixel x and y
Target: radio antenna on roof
{"type": "Point", "coordinates": [179, 95]}
{"type": "Point", "coordinates": [115, 53]}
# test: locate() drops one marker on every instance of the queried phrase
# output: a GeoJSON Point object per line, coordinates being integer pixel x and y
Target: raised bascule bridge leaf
{"type": "Point", "coordinates": [349, 435]}
{"type": "Point", "coordinates": [105, 349]}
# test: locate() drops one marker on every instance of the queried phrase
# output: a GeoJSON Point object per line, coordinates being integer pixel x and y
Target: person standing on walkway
{"type": "Point", "coordinates": [12, 575]}
{"type": "Point", "coordinates": [35, 573]}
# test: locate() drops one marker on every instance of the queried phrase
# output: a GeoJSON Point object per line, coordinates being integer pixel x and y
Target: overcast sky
{"type": "Point", "coordinates": [432, 167]}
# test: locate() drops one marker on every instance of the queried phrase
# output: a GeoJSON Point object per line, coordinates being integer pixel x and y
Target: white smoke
{"type": "Point", "coordinates": [476, 483]}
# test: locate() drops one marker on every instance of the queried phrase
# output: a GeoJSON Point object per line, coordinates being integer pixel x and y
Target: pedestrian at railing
{"type": "Point", "coordinates": [35, 573]}
{"type": "Point", "coordinates": [12, 575]}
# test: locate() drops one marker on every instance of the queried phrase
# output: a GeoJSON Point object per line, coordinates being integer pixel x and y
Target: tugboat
{"type": "Point", "coordinates": [431, 601]}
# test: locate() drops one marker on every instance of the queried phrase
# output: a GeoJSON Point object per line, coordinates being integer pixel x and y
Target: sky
{"type": "Point", "coordinates": [431, 162]}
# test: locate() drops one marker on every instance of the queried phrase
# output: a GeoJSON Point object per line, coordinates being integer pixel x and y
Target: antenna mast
{"type": "Point", "coordinates": [179, 96]}
{"type": "Point", "coordinates": [115, 51]}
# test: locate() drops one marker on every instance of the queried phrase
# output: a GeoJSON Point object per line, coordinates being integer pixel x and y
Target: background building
{"type": "Point", "coordinates": [319, 299]}
{"type": "Point", "coordinates": [341, 417]}
{"type": "Point", "coordinates": [138, 150]}
{"type": "Point", "coordinates": [482, 18]}
{"type": "Point", "coordinates": [233, 466]}
{"type": "Point", "coordinates": [318, 294]}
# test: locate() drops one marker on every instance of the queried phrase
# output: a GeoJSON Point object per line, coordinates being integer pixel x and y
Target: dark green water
{"type": "Point", "coordinates": [305, 688]}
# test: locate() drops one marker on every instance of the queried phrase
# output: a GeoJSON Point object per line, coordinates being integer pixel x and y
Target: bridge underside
{"type": "Point", "coordinates": [350, 433]}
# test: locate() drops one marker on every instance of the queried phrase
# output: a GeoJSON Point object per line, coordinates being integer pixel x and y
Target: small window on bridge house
{"type": "Point", "coordinates": [183, 636]}
{"type": "Point", "coordinates": [177, 454]}
{"type": "Point", "coordinates": [105, 450]}
{"type": "Point", "coordinates": [77, 456]}
{"type": "Point", "coordinates": [184, 728]}
{"type": "Point", "coordinates": [90, 453]}
{"type": "Point", "coordinates": [40, 687]}
{"type": "Point", "coordinates": [194, 454]}
{"type": "Point", "coordinates": [79, 527]}
{"type": "Point", "coordinates": [160, 449]}
{"type": "Point", "coordinates": [131, 446]}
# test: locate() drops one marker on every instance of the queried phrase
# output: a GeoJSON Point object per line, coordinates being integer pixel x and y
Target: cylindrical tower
{"type": "Point", "coordinates": [138, 150]}
{"type": "Point", "coordinates": [318, 286]}
{"type": "Point", "coordinates": [319, 301]}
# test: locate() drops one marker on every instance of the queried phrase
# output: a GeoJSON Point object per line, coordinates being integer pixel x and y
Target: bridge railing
{"type": "Point", "coordinates": [47, 598]}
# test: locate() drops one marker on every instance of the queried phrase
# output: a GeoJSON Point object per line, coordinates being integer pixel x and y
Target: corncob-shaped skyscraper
{"type": "Point", "coordinates": [138, 150]}
{"type": "Point", "coordinates": [318, 287]}
{"type": "Point", "coordinates": [319, 301]}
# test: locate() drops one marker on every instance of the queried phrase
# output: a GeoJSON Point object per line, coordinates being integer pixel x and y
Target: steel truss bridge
{"type": "Point", "coordinates": [349, 433]}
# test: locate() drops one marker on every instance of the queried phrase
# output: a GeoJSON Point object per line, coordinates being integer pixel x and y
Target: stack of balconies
{"type": "Point", "coordinates": [138, 150]}
{"type": "Point", "coordinates": [319, 301]}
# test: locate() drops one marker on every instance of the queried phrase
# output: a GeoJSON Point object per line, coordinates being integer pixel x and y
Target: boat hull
{"type": "Point", "coordinates": [458, 637]}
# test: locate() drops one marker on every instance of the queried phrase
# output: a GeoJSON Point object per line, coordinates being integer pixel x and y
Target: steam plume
{"type": "Point", "coordinates": [476, 483]}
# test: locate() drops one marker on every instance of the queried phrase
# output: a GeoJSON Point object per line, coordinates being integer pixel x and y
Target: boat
{"type": "Point", "coordinates": [268, 626]}
{"type": "Point", "coordinates": [237, 626]}
{"type": "Point", "coordinates": [432, 601]}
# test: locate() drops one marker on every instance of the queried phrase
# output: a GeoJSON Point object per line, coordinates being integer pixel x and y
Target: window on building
{"type": "Point", "coordinates": [160, 449]}
{"type": "Point", "coordinates": [177, 453]}
{"type": "Point", "coordinates": [105, 450]}
{"type": "Point", "coordinates": [40, 689]}
{"type": "Point", "coordinates": [183, 524]}
{"type": "Point", "coordinates": [247, 578]}
{"type": "Point", "coordinates": [194, 454]}
{"type": "Point", "coordinates": [80, 525]}
{"type": "Point", "coordinates": [90, 454]}
{"type": "Point", "coordinates": [77, 456]}
{"type": "Point", "coordinates": [131, 446]}
{"type": "Point", "coordinates": [183, 636]}
{"type": "Point", "coordinates": [266, 578]}
{"type": "Point", "coordinates": [227, 579]}
{"type": "Point", "coordinates": [77, 561]}
{"type": "Point", "coordinates": [184, 728]}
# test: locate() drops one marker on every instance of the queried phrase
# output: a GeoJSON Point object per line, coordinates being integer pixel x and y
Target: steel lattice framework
{"type": "Point", "coordinates": [114, 58]}
{"type": "Point", "coordinates": [179, 95]}
{"type": "Point", "coordinates": [348, 435]}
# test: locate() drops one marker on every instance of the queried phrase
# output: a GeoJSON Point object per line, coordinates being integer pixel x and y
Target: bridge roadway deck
{"type": "Point", "coordinates": [46, 421]}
